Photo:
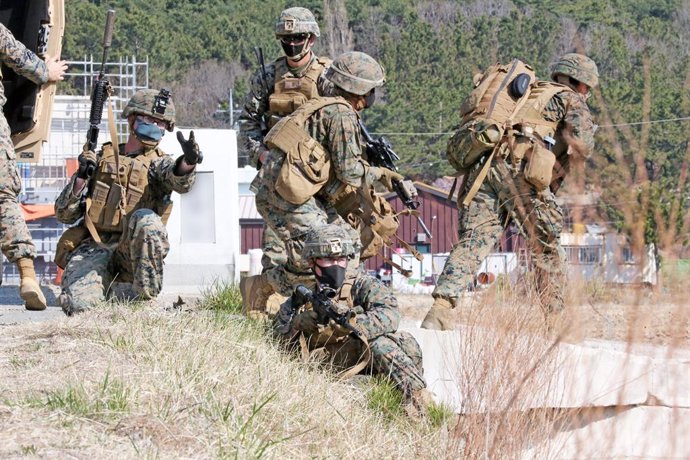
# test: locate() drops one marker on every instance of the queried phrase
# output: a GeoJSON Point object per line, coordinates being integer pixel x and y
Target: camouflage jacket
{"type": "Point", "coordinates": [374, 304]}
{"type": "Point", "coordinates": [252, 128]}
{"type": "Point", "coordinates": [336, 128]}
{"type": "Point", "coordinates": [162, 182]}
{"type": "Point", "coordinates": [571, 109]}
{"type": "Point", "coordinates": [14, 54]}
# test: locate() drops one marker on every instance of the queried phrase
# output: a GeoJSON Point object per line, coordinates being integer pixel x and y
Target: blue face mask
{"type": "Point", "coordinates": [148, 132]}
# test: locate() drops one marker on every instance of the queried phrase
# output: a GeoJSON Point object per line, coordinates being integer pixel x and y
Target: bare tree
{"type": "Point", "coordinates": [204, 87]}
{"type": "Point", "coordinates": [337, 36]}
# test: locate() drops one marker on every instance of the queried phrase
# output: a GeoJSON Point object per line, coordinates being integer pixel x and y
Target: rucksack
{"type": "Point", "coordinates": [306, 167]}
{"type": "Point", "coordinates": [487, 111]}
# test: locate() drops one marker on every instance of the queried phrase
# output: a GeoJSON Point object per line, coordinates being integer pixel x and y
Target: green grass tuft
{"type": "Point", "coordinates": [223, 296]}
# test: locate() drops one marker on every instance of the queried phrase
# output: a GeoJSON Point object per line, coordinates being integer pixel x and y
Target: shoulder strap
{"type": "Point", "coordinates": [307, 109]}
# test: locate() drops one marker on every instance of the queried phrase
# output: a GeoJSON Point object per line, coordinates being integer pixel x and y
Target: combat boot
{"type": "Point", "coordinates": [29, 289]}
{"type": "Point", "coordinates": [255, 291]}
{"type": "Point", "coordinates": [439, 317]}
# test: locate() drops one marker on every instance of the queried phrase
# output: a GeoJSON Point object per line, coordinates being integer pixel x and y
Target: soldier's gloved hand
{"type": "Point", "coordinates": [306, 322]}
{"type": "Point", "coordinates": [87, 164]}
{"type": "Point", "coordinates": [388, 177]}
{"type": "Point", "coordinates": [192, 154]}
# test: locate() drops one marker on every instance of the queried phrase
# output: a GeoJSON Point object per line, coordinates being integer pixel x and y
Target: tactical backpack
{"type": "Point", "coordinates": [306, 167]}
{"type": "Point", "coordinates": [487, 110]}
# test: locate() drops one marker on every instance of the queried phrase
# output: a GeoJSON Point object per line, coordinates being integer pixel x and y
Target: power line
{"type": "Point", "coordinates": [448, 133]}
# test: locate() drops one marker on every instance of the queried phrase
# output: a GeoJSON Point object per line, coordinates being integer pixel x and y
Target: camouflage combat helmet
{"type": "Point", "coordinates": [154, 103]}
{"type": "Point", "coordinates": [356, 72]}
{"type": "Point", "coordinates": [328, 241]}
{"type": "Point", "coordinates": [297, 20]}
{"type": "Point", "coordinates": [577, 66]}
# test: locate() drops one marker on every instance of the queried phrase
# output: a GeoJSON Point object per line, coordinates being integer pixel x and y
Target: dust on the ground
{"type": "Point", "coordinates": [627, 315]}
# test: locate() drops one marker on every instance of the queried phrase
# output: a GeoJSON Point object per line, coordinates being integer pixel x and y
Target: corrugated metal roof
{"type": "Point", "coordinates": [248, 208]}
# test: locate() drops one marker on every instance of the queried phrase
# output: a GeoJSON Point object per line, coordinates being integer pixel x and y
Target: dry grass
{"type": "Point", "coordinates": [129, 381]}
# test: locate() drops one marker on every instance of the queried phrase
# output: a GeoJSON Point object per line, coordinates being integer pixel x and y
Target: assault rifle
{"type": "Point", "coordinates": [325, 308]}
{"type": "Point", "coordinates": [264, 80]}
{"type": "Point", "coordinates": [100, 93]}
{"type": "Point", "coordinates": [380, 153]}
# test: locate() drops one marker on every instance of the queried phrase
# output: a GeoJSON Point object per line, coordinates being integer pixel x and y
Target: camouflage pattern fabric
{"type": "Point", "coordinates": [394, 354]}
{"type": "Point", "coordinates": [335, 127]}
{"type": "Point", "coordinates": [15, 239]}
{"type": "Point", "coordinates": [135, 256]}
{"type": "Point", "coordinates": [252, 131]}
{"type": "Point", "coordinates": [505, 196]}
{"type": "Point", "coordinates": [578, 66]}
{"type": "Point", "coordinates": [297, 20]}
{"type": "Point", "coordinates": [274, 252]}
{"type": "Point", "coordinates": [356, 73]}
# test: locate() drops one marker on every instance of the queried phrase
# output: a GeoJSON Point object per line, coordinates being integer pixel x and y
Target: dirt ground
{"type": "Point", "coordinates": [629, 315]}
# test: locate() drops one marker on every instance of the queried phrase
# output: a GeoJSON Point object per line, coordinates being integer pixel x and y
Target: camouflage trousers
{"type": "Point", "coordinates": [15, 239]}
{"type": "Point", "coordinates": [506, 197]}
{"type": "Point", "coordinates": [274, 252]}
{"type": "Point", "coordinates": [396, 356]}
{"type": "Point", "coordinates": [136, 258]}
{"type": "Point", "coordinates": [290, 223]}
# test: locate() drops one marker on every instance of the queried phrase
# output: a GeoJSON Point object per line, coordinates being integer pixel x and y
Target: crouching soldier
{"type": "Point", "coordinates": [122, 197]}
{"type": "Point", "coordinates": [351, 319]}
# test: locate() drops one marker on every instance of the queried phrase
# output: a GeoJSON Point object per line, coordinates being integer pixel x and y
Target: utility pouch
{"type": "Point", "coordinates": [539, 168]}
{"type": "Point", "coordinates": [99, 197]}
{"type": "Point", "coordinates": [471, 142]}
{"type": "Point", "coordinates": [285, 103]}
{"type": "Point", "coordinates": [68, 242]}
{"type": "Point", "coordinates": [112, 212]}
{"type": "Point", "coordinates": [306, 165]}
{"type": "Point", "coordinates": [519, 148]}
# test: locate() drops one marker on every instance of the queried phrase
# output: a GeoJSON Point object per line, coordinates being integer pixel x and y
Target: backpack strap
{"type": "Point", "coordinates": [307, 109]}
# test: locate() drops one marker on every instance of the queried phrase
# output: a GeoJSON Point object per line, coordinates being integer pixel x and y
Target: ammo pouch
{"type": "Point", "coordinates": [306, 166]}
{"type": "Point", "coordinates": [472, 141]}
{"type": "Point", "coordinates": [68, 242]}
{"type": "Point", "coordinates": [372, 216]}
{"type": "Point", "coordinates": [285, 103]}
{"type": "Point", "coordinates": [539, 167]}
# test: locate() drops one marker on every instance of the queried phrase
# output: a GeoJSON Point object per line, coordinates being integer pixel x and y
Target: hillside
{"type": "Point", "coordinates": [431, 49]}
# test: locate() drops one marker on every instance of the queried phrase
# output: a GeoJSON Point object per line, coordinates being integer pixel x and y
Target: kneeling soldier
{"type": "Point", "coordinates": [124, 202]}
{"type": "Point", "coordinates": [351, 320]}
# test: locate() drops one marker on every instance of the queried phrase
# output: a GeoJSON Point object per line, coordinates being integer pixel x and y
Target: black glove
{"type": "Point", "coordinates": [192, 154]}
{"type": "Point", "coordinates": [306, 322]}
{"type": "Point", "coordinates": [87, 164]}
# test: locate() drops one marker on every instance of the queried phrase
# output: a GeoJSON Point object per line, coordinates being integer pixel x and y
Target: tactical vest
{"type": "Point", "coordinates": [120, 187]}
{"type": "Point", "coordinates": [290, 91]}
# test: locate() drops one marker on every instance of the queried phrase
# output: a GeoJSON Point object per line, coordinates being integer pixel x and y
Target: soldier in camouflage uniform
{"type": "Point", "coordinates": [277, 91]}
{"type": "Point", "coordinates": [505, 196]}
{"type": "Point", "coordinates": [15, 239]}
{"type": "Point", "coordinates": [122, 228]}
{"type": "Point", "coordinates": [383, 349]}
{"type": "Point", "coordinates": [335, 128]}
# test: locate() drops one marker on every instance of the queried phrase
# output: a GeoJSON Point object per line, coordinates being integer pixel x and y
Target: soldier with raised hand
{"type": "Point", "coordinates": [295, 195]}
{"type": "Point", "coordinates": [276, 91]}
{"type": "Point", "coordinates": [15, 239]}
{"type": "Point", "coordinates": [370, 342]}
{"type": "Point", "coordinates": [557, 122]}
{"type": "Point", "coordinates": [122, 197]}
